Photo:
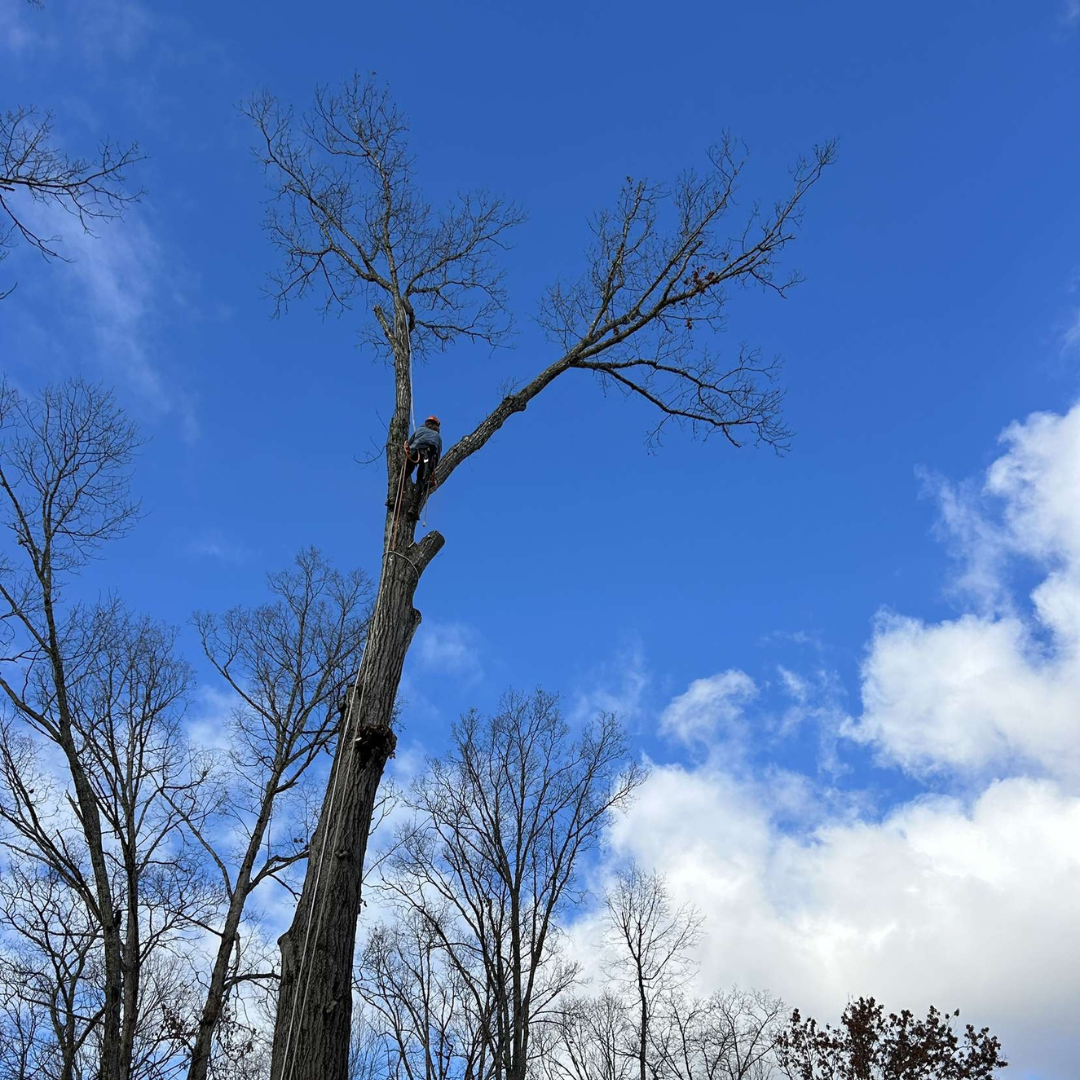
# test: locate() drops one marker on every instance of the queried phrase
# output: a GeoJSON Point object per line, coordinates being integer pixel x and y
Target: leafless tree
{"type": "Point", "coordinates": [653, 942]}
{"type": "Point", "coordinates": [287, 663]}
{"type": "Point", "coordinates": [490, 864]}
{"type": "Point", "coordinates": [49, 974]}
{"type": "Point", "coordinates": [353, 228]}
{"type": "Point", "coordinates": [728, 1036]}
{"type": "Point", "coordinates": [421, 1018]}
{"type": "Point", "coordinates": [587, 1039]}
{"type": "Point", "coordinates": [64, 471]}
{"type": "Point", "coordinates": [124, 693]}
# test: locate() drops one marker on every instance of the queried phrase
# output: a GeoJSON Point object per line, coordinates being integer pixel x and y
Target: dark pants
{"type": "Point", "coordinates": [425, 468]}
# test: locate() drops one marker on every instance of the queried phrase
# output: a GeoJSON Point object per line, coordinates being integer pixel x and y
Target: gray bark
{"type": "Point", "coordinates": [313, 1028]}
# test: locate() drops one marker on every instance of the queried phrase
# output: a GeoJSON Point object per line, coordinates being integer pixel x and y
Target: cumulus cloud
{"type": "Point", "coordinates": [969, 906]}
{"type": "Point", "coordinates": [996, 690]}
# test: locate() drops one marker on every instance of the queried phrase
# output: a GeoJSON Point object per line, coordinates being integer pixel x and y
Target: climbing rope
{"type": "Point", "coordinates": [412, 396]}
{"type": "Point", "coordinates": [354, 708]}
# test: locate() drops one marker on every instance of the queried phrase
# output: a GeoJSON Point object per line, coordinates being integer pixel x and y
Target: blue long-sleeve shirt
{"type": "Point", "coordinates": [425, 438]}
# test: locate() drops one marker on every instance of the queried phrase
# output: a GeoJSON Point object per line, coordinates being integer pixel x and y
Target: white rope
{"type": "Point", "coordinates": [412, 396]}
{"type": "Point", "coordinates": [354, 708]}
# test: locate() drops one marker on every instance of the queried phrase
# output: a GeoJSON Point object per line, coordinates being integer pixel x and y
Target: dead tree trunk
{"type": "Point", "coordinates": [311, 1036]}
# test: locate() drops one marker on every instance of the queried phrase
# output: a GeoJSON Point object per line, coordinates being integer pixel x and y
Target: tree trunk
{"type": "Point", "coordinates": [217, 991]}
{"type": "Point", "coordinates": [313, 1027]}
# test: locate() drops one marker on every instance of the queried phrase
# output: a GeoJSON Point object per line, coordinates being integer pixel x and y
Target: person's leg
{"type": "Point", "coordinates": [423, 470]}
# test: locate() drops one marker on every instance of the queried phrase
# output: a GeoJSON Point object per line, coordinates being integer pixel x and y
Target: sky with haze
{"type": "Point", "coordinates": [854, 668]}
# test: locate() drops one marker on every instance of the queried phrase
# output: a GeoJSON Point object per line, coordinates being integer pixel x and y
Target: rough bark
{"type": "Point", "coordinates": [312, 1033]}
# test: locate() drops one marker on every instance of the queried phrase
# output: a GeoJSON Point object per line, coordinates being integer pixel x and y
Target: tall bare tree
{"type": "Point", "coordinates": [124, 693]}
{"type": "Point", "coordinates": [49, 974]}
{"type": "Point", "coordinates": [64, 472]}
{"type": "Point", "coordinates": [287, 663]}
{"type": "Point", "coordinates": [490, 865]}
{"type": "Point", "coordinates": [653, 947]}
{"type": "Point", "coordinates": [353, 228]}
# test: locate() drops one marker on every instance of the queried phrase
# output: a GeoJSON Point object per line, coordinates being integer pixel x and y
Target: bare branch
{"type": "Point", "coordinates": [33, 166]}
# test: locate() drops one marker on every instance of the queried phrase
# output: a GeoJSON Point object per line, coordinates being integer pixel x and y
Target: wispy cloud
{"type": "Point", "coordinates": [1070, 339]}
{"type": "Point", "coordinates": [617, 686]}
{"type": "Point", "coordinates": [214, 544]}
{"type": "Point", "coordinates": [109, 29]}
{"type": "Point", "coordinates": [450, 649]}
{"type": "Point", "coordinates": [18, 31]}
{"type": "Point", "coordinates": [116, 300]}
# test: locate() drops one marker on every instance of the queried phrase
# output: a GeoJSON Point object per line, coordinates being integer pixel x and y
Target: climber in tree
{"type": "Point", "coordinates": [422, 453]}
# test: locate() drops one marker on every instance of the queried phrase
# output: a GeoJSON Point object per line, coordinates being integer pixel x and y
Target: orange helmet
{"type": "Point", "coordinates": [432, 421]}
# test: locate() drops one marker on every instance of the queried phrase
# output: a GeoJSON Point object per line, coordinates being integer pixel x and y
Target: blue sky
{"type": "Point", "coordinates": [942, 304]}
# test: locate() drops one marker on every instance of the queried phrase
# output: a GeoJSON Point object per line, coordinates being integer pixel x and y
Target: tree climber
{"type": "Point", "coordinates": [422, 452]}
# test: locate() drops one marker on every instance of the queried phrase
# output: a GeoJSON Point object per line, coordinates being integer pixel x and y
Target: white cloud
{"type": "Point", "coordinates": [710, 709]}
{"type": "Point", "coordinates": [1071, 337]}
{"type": "Point", "coordinates": [617, 686]}
{"type": "Point", "coordinates": [995, 690]}
{"type": "Point", "coordinates": [121, 269]}
{"type": "Point", "coordinates": [940, 903]}
{"type": "Point", "coordinates": [965, 900]}
{"type": "Point", "coordinates": [114, 294]}
{"type": "Point", "coordinates": [210, 721]}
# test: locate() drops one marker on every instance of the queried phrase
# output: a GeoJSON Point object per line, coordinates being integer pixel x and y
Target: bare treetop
{"type": "Point", "coordinates": [640, 316]}
{"type": "Point", "coordinates": [349, 221]}
{"type": "Point", "coordinates": [65, 458]}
